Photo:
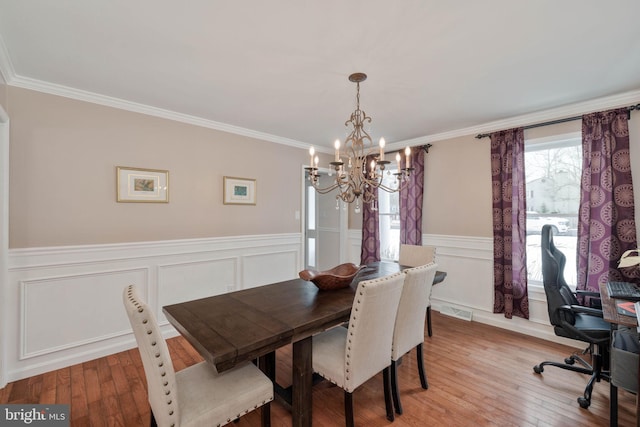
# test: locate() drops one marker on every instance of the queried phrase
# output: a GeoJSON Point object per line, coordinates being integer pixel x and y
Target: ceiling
{"type": "Point", "coordinates": [278, 70]}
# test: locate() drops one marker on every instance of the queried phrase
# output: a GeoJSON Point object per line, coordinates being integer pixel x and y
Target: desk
{"type": "Point", "coordinates": [244, 325]}
{"type": "Point", "coordinates": [611, 315]}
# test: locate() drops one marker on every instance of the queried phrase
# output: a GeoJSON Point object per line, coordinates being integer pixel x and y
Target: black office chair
{"type": "Point", "coordinates": [572, 320]}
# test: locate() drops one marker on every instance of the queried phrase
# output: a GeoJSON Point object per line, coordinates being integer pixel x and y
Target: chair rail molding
{"type": "Point", "coordinates": [78, 290]}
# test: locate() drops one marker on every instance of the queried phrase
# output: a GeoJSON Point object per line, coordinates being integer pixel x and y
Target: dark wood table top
{"type": "Point", "coordinates": [238, 326]}
{"type": "Point", "coordinates": [610, 310]}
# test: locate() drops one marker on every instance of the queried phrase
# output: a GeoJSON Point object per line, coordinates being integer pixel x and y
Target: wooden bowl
{"type": "Point", "coordinates": [336, 278]}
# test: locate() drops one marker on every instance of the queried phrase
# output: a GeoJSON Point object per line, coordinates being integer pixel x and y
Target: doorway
{"type": "Point", "coordinates": [325, 227]}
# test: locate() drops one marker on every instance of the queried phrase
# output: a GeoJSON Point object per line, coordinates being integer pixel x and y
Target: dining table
{"type": "Point", "coordinates": [251, 324]}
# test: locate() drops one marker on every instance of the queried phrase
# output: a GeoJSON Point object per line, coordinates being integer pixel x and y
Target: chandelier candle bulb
{"type": "Point", "coordinates": [407, 153]}
{"type": "Point", "coordinates": [352, 182]}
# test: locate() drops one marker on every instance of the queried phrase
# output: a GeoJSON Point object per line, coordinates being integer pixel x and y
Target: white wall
{"type": "Point", "coordinates": [63, 305]}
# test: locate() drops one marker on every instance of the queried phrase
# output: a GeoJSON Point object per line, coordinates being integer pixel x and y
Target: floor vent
{"type": "Point", "coordinates": [456, 312]}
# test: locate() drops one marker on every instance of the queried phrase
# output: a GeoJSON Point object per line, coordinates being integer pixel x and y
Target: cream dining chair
{"type": "Point", "coordinates": [414, 256]}
{"type": "Point", "coordinates": [197, 395]}
{"type": "Point", "coordinates": [348, 357]}
{"type": "Point", "coordinates": [408, 332]}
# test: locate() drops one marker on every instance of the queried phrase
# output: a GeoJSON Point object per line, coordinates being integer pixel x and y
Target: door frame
{"type": "Point", "coordinates": [4, 240]}
{"type": "Point", "coordinates": [343, 227]}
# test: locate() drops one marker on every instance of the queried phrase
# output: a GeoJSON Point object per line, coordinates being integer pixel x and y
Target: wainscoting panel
{"type": "Point", "coordinates": [186, 281]}
{"type": "Point", "coordinates": [264, 268]}
{"type": "Point", "coordinates": [468, 287]}
{"type": "Point", "coordinates": [79, 309]}
{"type": "Point", "coordinates": [64, 306]}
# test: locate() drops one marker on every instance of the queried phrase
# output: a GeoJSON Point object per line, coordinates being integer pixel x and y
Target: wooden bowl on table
{"type": "Point", "coordinates": [336, 278]}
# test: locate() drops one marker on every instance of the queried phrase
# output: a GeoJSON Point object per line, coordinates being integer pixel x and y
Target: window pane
{"type": "Point", "coordinates": [311, 208]}
{"type": "Point", "coordinates": [311, 252]}
{"type": "Point", "coordinates": [553, 171]}
{"type": "Point", "coordinates": [389, 214]}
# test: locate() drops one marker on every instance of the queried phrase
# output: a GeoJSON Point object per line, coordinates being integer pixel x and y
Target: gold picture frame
{"type": "Point", "coordinates": [239, 191]}
{"type": "Point", "coordinates": [140, 185]}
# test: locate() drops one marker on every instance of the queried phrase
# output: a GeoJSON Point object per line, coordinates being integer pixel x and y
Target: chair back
{"type": "Point", "coordinates": [555, 287]}
{"type": "Point", "coordinates": [409, 325]}
{"type": "Point", "coordinates": [370, 329]}
{"type": "Point", "coordinates": [158, 367]}
{"type": "Point", "coordinates": [415, 255]}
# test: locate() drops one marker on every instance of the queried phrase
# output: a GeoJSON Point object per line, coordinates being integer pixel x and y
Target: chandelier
{"type": "Point", "coordinates": [364, 171]}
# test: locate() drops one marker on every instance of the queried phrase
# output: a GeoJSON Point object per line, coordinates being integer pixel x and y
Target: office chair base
{"type": "Point", "coordinates": [595, 372]}
{"type": "Point", "coordinates": [538, 369]}
{"type": "Point", "coordinates": [584, 402]}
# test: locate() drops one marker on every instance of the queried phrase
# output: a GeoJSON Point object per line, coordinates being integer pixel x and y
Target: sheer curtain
{"type": "Point", "coordinates": [606, 219]}
{"type": "Point", "coordinates": [411, 202]}
{"type": "Point", "coordinates": [509, 216]}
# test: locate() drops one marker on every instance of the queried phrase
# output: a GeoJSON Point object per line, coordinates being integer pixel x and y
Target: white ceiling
{"type": "Point", "coordinates": [278, 69]}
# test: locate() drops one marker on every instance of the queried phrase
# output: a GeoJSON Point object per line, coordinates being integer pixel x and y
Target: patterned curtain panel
{"type": "Point", "coordinates": [509, 216]}
{"type": "Point", "coordinates": [606, 219]}
{"type": "Point", "coordinates": [411, 202]}
{"type": "Point", "coordinates": [370, 248]}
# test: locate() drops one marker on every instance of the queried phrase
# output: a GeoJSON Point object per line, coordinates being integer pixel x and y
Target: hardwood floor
{"type": "Point", "coordinates": [478, 376]}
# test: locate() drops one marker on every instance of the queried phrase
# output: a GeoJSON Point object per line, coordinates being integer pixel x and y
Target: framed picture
{"type": "Point", "coordinates": [239, 191]}
{"type": "Point", "coordinates": [142, 185]}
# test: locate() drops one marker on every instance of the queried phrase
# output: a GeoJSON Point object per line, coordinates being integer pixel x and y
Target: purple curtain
{"type": "Point", "coordinates": [606, 225]}
{"type": "Point", "coordinates": [411, 202]}
{"type": "Point", "coordinates": [509, 215]}
{"type": "Point", "coordinates": [370, 248]}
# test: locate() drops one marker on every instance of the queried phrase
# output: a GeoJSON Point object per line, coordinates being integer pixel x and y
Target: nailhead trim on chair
{"type": "Point", "coordinates": [351, 328]}
{"type": "Point", "coordinates": [164, 382]}
{"type": "Point", "coordinates": [157, 355]}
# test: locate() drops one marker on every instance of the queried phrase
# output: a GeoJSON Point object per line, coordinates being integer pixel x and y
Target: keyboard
{"type": "Point", "coordinates": [623, 290]}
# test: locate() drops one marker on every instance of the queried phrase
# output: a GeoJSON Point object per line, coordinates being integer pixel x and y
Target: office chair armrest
{"type": "Point", "coordinates": [582, 309]}
{"type": "Point", "coordinates": [583, 292]}
{"type": "Point", "coordinates": [591, 298]}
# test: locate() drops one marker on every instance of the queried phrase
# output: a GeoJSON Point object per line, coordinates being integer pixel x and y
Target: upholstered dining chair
{"type": "Point", "coordinates": [350, 356]}
{"type": "Point", "coordinates": [197, 395]}
{"type": "Point", "coordinates": [408, 332]}
{"type": "Point", "coordinates": [414, 256]}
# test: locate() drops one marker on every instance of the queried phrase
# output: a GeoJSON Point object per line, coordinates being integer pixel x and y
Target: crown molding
{"type": "Point", "coordinates": [81, 95]}
{"type": "Point", "coordinates": [604, 103]}
{"type": "Point", "coordinates": [614, 101]}
{"type": "Point", "coordinates": [7, 72]}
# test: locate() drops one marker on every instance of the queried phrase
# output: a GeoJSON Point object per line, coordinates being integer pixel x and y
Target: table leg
{"type": "Point", "coordinates": [302, 379]}
{"type": "Point", "coordinates": [267, 364]}
{"type": "Point", "coordinates": [613, 405]}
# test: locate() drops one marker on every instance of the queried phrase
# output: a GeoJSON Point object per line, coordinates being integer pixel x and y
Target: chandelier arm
{"type": "Point", "coordinates": [361, 174]}
{"type": "Point", "coordinates": [326, 189]}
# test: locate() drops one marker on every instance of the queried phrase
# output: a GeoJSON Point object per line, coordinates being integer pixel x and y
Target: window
{"type": "Point", "coordinates": [553, 169]}
{"type": "Point", "coordinates": [389, 214]}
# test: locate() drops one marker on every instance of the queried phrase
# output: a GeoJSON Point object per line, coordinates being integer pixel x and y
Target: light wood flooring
{"type": "Point", "coordinates": [478, 376]}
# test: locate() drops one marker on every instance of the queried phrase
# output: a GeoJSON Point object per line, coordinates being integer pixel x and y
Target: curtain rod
{"type": "Point", "coordinates": [554, 122]}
